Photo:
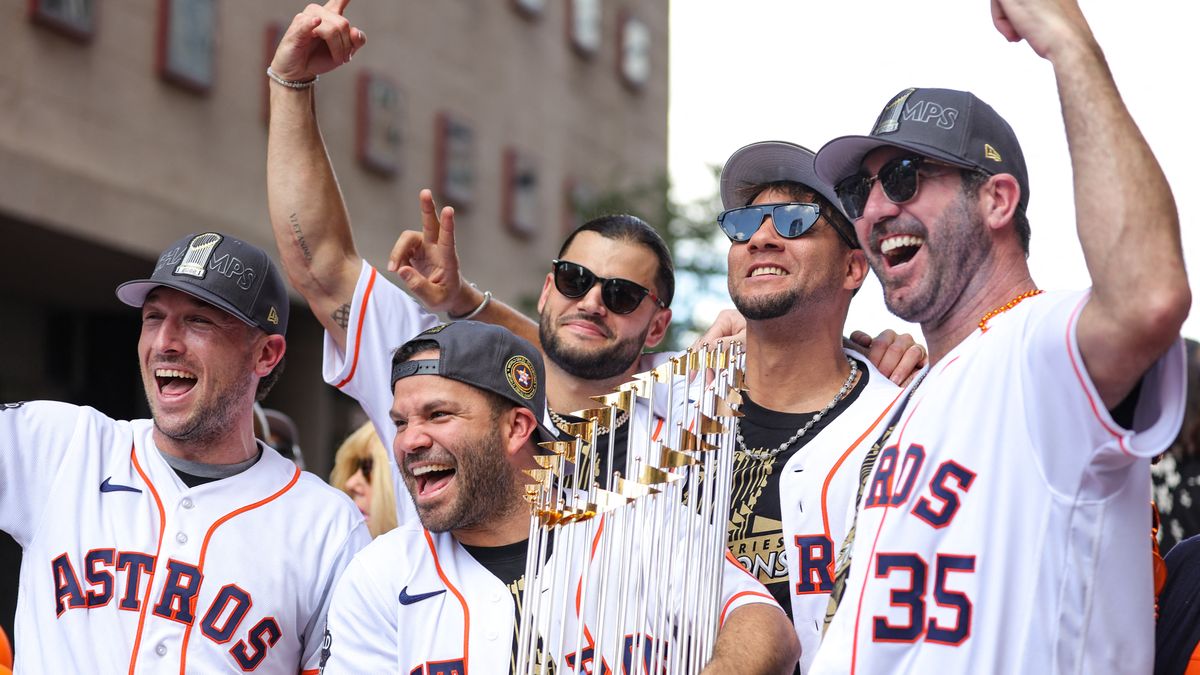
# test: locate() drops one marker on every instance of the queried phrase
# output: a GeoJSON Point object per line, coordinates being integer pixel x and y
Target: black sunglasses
{"type": "Point", "coordinates": [898, 178]}
{"type": "Point", "coordinates": [620, 296]}
{"type": "Point", "coordinates": [790, 219]}
{"type": "Point", "coordinates": [365, 465]}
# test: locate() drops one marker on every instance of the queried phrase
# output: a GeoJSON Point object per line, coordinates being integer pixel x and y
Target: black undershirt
{"type": "Point", "coordinates": [600, 470]}
{"type": "Point", "coordinates": [756, 537]}
{"type": "Point", "coordinates": [507, 563]}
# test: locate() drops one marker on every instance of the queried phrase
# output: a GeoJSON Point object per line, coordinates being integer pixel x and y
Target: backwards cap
{"type": "Point", "coordinates": [487, 357]}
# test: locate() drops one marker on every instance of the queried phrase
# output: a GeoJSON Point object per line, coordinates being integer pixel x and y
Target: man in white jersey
{"type": "Point", "coordinates": [1002, 527]}
{"type": "Point", "coordinates": [178, 544]}
{"type": "Point", "coordinates": [445, 594]}
{"type": "Point", "coordinates": [793, 267]}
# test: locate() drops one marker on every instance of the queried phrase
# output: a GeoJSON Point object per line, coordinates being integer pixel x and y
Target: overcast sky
{"type": "Point", "coordinates": [809, 71]}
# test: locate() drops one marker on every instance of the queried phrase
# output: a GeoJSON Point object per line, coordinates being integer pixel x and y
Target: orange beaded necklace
{"type": "Point", "coordinates": [983, 322]}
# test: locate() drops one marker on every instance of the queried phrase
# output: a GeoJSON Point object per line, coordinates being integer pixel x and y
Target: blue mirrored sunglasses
{"type": "Point", "coordinates": [790, 219]}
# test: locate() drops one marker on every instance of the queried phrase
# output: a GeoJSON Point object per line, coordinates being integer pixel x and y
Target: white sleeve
{"type": "Point", "coordinates": [739, 588]}
{"type": "Point", "coordinates": [363, 633]}
{"type": "Point", "coordinates": [358, 538]}
{"type": "Point", "coordinates": [1065, 412]}
{"type": "Point", "coordinates": [382, 317]}
{"type": "Point", "coordinates": [34, 441]}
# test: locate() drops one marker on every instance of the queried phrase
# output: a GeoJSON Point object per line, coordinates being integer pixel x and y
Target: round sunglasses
{"type": "Point", "coordinates": [620, 296]}
{"type": "Point", "coordinates": [899, 179]}
{"type": "Point", "coordinates": [791, 220]}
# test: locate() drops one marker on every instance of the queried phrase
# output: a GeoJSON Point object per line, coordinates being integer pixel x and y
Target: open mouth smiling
{"type": "Point", "coordinates": [431, 478]}
{"type": "Point", "coordinates": [767, 270]}
{"type": "Point", "coordinates": [174, 382]}
{"type": "Point", "coordinates": [899, 249]}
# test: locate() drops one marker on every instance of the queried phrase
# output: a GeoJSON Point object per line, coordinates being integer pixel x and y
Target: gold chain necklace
{"type": "Point", "coordinates": [562, 423]}
{"type": "Point", "coordinates": [983, 322]}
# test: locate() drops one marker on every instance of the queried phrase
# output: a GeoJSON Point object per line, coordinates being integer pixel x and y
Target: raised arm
{"type": "Point", "coordinates": [1125, 213]}
{"type": "Point", "coordinates": [308, 214]}
{"type": "Point", "coordinates": [427, 261]}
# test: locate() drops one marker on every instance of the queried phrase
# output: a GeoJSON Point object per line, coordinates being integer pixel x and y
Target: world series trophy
{"type": "Point", "coordinates": [626, 577]}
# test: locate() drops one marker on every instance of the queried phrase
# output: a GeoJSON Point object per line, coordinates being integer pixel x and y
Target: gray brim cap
{"type": "Point", "coordinates": [225, 272]}
{"type": "Point", "coordinates": [952, 126]}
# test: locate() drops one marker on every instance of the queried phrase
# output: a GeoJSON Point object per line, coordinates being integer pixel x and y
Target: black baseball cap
{"type": "Point", "coordinates": [223, 271]}
{"type": "Point", "coordinates": [488, 357]}
{"type": "Point", "coordinates": [771, 162]}
{"type": "Point", "coordinates": [951, 126]}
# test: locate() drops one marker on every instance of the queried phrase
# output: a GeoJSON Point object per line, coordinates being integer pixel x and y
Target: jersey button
{"type": "Point", "coordinates": [181, 538]}
{"type": "Point", "coordinates": [161, 649]}
{"type": "Point", "coordinates": [187, 503]}
{"type": "Point", "coordinates": [491, 635]}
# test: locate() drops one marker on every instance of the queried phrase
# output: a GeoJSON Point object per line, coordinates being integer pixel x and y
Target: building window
{"type": "Point", "coordinates": [530, 9]}
{"type": "Point", "coordinates": [454, 161]}
{"type": "Point", "coordinates": [521, 209]}
{"type": "Point", "coordinates": [73, 18]}
{"type": "Point", "coordinates": [577, 196]}
{"type": "Point", "coordinates": [380, 123]}
{"type": "Point", "coordinates": [634, 62]}
{"type": "Point", "coordinates": [584, 26]}
{"type": "Point", "coordinates": [187, 43]}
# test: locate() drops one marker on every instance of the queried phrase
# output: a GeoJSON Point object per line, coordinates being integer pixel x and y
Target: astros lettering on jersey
{"type": "Point", "coordinates": [126, 569]}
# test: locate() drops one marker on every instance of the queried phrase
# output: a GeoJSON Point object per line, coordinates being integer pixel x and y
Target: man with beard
{"type": "Point", "coordinates": [1001, 527]}
{"type": "Point", "coordinates": [794, 266]}
{"type": "Point", "coordinates": [136, 533]}
{"type": "Point", "coordinates": [436, 596]}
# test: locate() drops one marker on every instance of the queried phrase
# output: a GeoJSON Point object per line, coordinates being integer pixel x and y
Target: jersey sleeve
{"type": "Point", "coordinates": [1066, 416]}
{"type": "Point", "coordinates": [382, 317]}
{"type": "Point", "coordinates": [35, 438]}
{"type": "Point", "coordinates": [739, 588]}
{"type": "Point", "coordinates": [313, 638]}
{"type": "Point", "coordinates": [362, 632]}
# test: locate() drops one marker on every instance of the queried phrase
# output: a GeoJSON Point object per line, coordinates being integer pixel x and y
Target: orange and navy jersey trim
{"type": "Point", "coordinates": [162, 518]}
{"type": "Point", "coordinates": [437, 563]}
{"type": "Point", "coordinates": [362, 315]}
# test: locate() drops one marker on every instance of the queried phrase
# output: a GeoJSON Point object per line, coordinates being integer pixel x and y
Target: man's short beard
{"type": "Point", "coordinates": [769, 307]}
{"type": "Point", "coordinates": [601, 364]}
{"type": "Point", "coordinates": [209, 423]}
{"type": "Point", "coordinates": [487, 486]}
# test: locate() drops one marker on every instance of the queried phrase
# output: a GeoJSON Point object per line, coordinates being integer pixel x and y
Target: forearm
{"type": "Point", "coordinates": [1127, 221]}
{"type": "Point", "coordinates": [307, 212]}
{"type": "Point", "coordinates": [755, 639]}
{"type": "Point", "coordinates": [498, 313]}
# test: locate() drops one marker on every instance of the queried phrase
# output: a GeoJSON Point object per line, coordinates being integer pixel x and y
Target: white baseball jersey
{"type": "Point", "coordinates": [418, 602]}
{"type": "Point", "coordinates": [382, 318]}
{"type": "Point", "coordinates": [817, 487]}
{"type": "Point", "coordinates": [126, 569]}
{"type": "Point", "coordinates": [1004, 527]}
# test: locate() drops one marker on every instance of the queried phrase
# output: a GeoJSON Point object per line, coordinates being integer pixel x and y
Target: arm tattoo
{"type": "Point", "coordinates": [295, 221]}
{"type": "Point", "coordinates": [341, 316]}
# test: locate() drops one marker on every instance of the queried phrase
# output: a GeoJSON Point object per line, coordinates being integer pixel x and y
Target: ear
{"type": "Point", "coordinates": [545, 292]}
{"type": "Point", "coordinates": [856, 269]}
{"type": "Point", "coordinates": [998, 200]}
{"type": "Point", "coordinates": [518, 432]}
{"type": "Point", "coordinates": [658, 327]}
{"type": "Point", "coordinates": [270, 352]}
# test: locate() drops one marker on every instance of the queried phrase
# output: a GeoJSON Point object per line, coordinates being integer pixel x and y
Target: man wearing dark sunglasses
{"type": "Point", "coordinates": [1001, 527]}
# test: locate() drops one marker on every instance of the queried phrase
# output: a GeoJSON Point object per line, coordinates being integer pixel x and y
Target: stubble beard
{"type": "Point", "coordinates": [600, 364]}
{"type": "Point", "coordinates": [486, 485]}
{"type": "Point", "coordinates": [952, 256]}
{"type": "Point", "coordinates": [210, 421]}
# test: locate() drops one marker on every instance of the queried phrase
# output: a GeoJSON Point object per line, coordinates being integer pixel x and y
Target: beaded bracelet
{"type": "Point", "coordinates": [291, 84]}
